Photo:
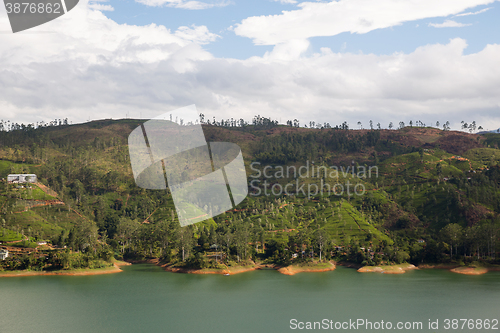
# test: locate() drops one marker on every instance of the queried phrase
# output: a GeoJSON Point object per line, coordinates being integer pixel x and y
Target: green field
{"type": "Point", "coordinates": [9, 235]}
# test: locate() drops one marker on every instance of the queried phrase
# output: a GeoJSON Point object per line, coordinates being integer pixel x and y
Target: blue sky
{"type": "Point", "coordinates": [217, 19]}
{"type": "Point", "coordinates": [406, 37]}
{"type": "Point", "coordinates": [322, 61]}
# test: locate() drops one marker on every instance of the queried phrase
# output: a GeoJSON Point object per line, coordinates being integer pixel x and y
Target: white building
{"type": "Point", "coordinates": [3, 254]}
{"type": "Point", "coordinates": [21, 178]}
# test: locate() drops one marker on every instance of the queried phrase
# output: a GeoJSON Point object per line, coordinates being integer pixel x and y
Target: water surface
{"type": "Point", "coordinates": [144, 298]}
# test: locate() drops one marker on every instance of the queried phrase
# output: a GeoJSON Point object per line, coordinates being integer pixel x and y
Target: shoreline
{"type": "Point", "coordinates": [470, 270]}
{"type": "Point", "coordinates": [203, 271]}
{"type": "Point", "coordinates": [115, 268]}
{"type": "Point", "coordinates": [294, 269]}
{"type": "Point", "coordinates": [465, 270]}
{"type": "Point", "coordinates": [388, 269]}
{"type": "Point", "coordinates": [287, 270]}
{"type": "Point", "coordinates": [403, 268]}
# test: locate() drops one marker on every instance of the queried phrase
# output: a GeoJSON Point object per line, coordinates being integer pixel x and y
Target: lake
{"type": "Point", "coordinates": [144, 298]}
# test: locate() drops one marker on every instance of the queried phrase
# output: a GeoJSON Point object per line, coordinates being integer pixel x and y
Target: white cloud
{"type": "Point", "coordinates": [196, 34]}
{"type": "Point", "coordinates": [183, 4]}
{"type": "Point", "coordinates": [97, 6]}
{"type": "Point", "coordinates": [87, 37]}
{"type": "Point", "coordinates": [92, 67]}
{"type": "Point", "coordinates": [449, 24]}
{"type": "Point", "coordinates": [474, 13]}
{"type": "Point", "coordinates": [343, 47]}
{"type": "Point", "coordinates": [286, 2]}
{"type": "Point", "coordinates": [355, 16]}
{"type": "Point", "coordinates": [293, 49]}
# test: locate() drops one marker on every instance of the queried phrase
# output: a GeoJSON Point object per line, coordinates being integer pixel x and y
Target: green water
{"type": "Point", "coordinates": [144, 298]}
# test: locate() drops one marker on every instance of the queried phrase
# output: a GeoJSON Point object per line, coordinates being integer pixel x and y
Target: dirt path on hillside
{"type": "Point", "coordinates": [47, 190]}
{"type": "Point", "coordinates": [38, 203]}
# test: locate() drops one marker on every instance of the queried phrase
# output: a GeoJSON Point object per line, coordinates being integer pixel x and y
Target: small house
{"type": "Point", "coordinates": [3, 254]}
{"type": "Point", "coordinates": [21, 178]}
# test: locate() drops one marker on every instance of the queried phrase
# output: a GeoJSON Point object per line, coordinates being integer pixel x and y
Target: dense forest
{"type": "Point", "coordinates": [433, 196]}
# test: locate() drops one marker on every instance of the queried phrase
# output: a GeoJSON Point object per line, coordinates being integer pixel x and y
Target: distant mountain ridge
{"type": "Point", "coordinates": [492, 131]}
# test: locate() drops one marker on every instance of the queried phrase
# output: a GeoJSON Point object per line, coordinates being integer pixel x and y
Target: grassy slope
{"type": "Point", "coordinates": [9, 236]}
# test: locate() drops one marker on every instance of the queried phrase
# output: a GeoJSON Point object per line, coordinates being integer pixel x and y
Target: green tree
{"type": "Point", "coordinates": [185, 241]}
{"type": "Point", "coordinates": [452, 234]}
{"type": "Point", "coordinates": [321, 238]}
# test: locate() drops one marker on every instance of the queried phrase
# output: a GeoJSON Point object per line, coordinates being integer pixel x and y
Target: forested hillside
{"type": "Point", "coordinates": [415, 194]}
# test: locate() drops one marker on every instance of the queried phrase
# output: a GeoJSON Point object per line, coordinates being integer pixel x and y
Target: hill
{"type": "Point", "coordinates": [423, 193]}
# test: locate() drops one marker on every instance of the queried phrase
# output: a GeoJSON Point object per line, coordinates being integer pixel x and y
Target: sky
{"type": "Point", "coordinates": [322, 61]}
